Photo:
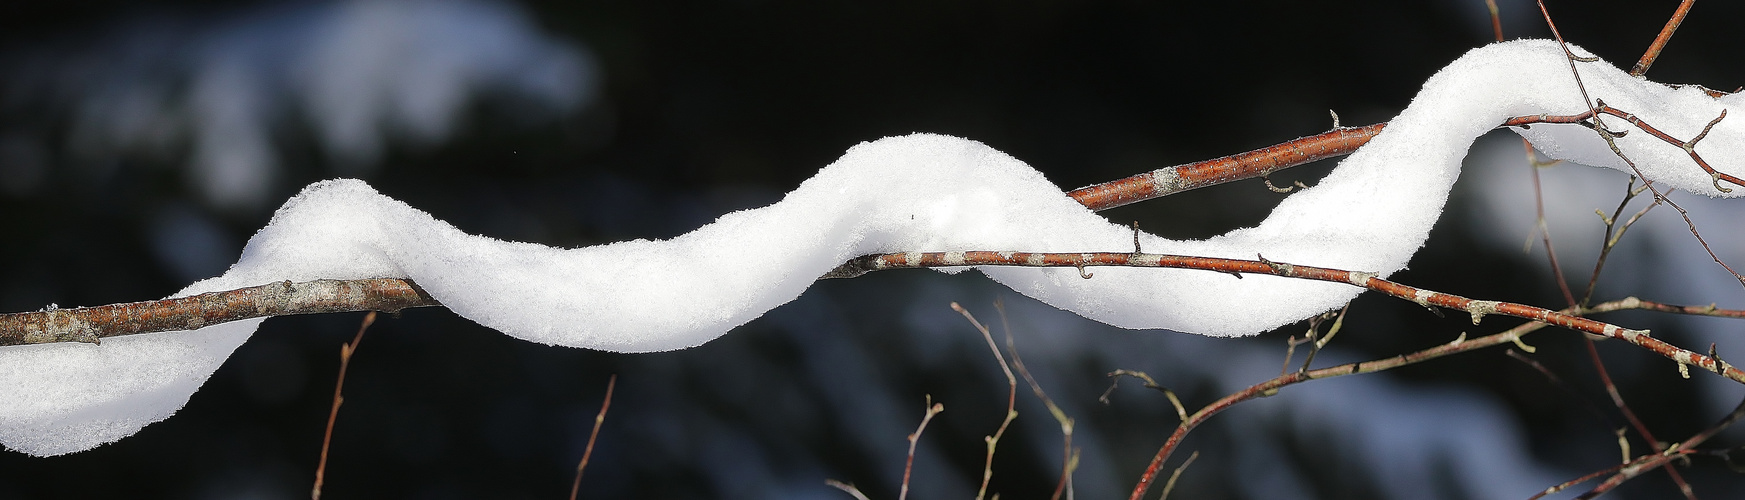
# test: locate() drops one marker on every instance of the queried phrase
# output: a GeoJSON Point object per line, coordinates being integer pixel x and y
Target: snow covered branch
{"type": "Point", "coordinates": [926, 192]}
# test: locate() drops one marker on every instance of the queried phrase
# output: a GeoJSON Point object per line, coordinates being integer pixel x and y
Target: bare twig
{"type": "Point", "coordinates": [1477, 308]}
{"type": "Point", "coordinates": [1257, 163]}
{"type": "Point", "coordinates": [1011, 399]}
{"type": "Point", "coordinates": [909, 465]}
{"type": "Point", "coordinates": [1665, 458]}
{"type": "Point", "coordinates": [1173, 476]}
{"type": "Point", "coordinates": [1653, 52]}
{"type": "Point", "coordinates": [1588, 118]}
{"type": "Point", "coordinates": [1589, 477]}
{"type": "Point", "coordinates": [1557, 382]}
{"type": "Point", "coordinates": [1070, 455]}
{"type": "Point", "coordinates": [1543, 229]}
{"type": "Point", "coordinates": [1614, 232]}
{"type": "Point", "coordinates": [1496, 19]}
{"type": "Point", "coordinates": [1115, 378]}
{"type": "Point", "coordinates": [1610, 137]}
{"type": "Point", "coordinates": [593, 435]}
{"type": "Point", "coordinates": [88, 324]}
{"type": "Point", "coordinates": [1270, 387]}
{"type": "Point", "coordinates": [848, 488]}
{"type": "Point", "coordinates": [345, 352]}
{"type": "Point", "coordinates": [1596, 107]}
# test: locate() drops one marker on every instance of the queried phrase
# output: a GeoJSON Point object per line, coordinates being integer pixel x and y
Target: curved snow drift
{"type": "Point", "coordinates": [918, 192]}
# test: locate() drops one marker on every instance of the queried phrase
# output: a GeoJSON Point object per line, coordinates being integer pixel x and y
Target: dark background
{"type": "Point", "coordinates": [712, 106]}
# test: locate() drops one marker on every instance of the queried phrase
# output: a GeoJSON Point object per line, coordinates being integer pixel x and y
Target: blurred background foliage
{"type": "Point", "coordinates": [141, 143]}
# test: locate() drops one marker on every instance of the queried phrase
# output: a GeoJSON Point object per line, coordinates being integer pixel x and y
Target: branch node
{"type": "Point", "coordinates": [1278, 268]}
{"type": "Point", "coordinates": [1359, 278]}
{"type": "Point", "coordinates": [1522, 345]}
{"type": "Point", "coordinates": [1480, 308]}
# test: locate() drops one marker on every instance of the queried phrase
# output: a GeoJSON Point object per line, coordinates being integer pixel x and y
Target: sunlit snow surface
{"type": "Point", "coordinates": [917, 192]}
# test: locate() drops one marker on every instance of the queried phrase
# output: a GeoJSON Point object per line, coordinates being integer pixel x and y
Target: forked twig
{"type": "Point", "coordinates": [1070, 455]}
{"type": "Point", "coordinates": [909, 465]}
{"type": "Point", "coordinates": [993, 440]}
{"type": "Point", "coordinates": [1115, 379]}
{"type": "Point", "coordinates": [1271, 387]}
{"type": "Point", "coordinates": [1663, 459]}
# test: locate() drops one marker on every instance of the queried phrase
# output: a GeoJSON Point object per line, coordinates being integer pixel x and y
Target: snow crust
{"type": "Point", "coordinates": [917, 192]}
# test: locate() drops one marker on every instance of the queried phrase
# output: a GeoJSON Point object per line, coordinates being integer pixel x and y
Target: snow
{"type": "Point", "coordinates": [916, 192]}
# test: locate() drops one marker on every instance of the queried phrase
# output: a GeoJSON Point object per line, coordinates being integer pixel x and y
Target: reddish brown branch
{"type": "Point", "coordinates": [1477, 308]}
{"type": "Point", "coordinates": [593, 435]}
{"type": "Point", "coordinates": [88, 324]}
{"type": "Point", "coordinates": [1602, 108]}
{"type": "Point", "coordinates": [345, 352]}
{"type": "Point", "coordinates": [1257, 163]}
{"type": "Point", "coordinates": [1660, 40]}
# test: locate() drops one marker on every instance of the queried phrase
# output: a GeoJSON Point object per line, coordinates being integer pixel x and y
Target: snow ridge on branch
{"type": "Point", "coordinates": [917, 192]}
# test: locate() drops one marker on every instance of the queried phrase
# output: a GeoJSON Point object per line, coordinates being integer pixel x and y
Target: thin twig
{"type": "Point", "coordinates": [1011, 399]}
{"type": "Point", "coordinates": [909, 465]}
{"type": "Point", "coordinates": [1169, 485]}
{"type": "Point", "coordinates": [1496, 19]}
{"type": "Point", "coordinates": [849, 488]}
{"type": "Point", "coordinates": [1614, 232]}
{"type": "Point", "coordinates": [1557, 382]}
{"type": "Point", "coordinates": [1478, 309]}
{"type": "Point", "coordinates": [1115, 379]}
{"type": "Point", "coordinates": [1271, 387]}
{"type": "Point", "coordinates": [1589, 477]}
{"type": "Point", "coordinates": [1663, 459]}
{"type": "Point", "coordinates": [345, 352]}
{"type": "Point", "coordinates": [1544, 229]}
{"type": "Point", "coordinates": [593, 435]}
{"type": "Point", "coordinates": [1070, 455]}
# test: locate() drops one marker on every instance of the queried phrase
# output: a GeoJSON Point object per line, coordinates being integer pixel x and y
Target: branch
{"type": "Point", "coordinates": [1654, 49]}
{"type": "Point", "coordinates": [345, 352]}
{"type": "Point", "coordinates": [1258, 163]}
{"type": "Point", "coordinates": [1649, 462]}
{"type": "Point", "coordinates": [1427, 298]}
{"type": "Point", "coordinates": [1689, 146]}
{"type": "Point", "coordinates": [89, 324]}
{"type": "Point", "coordinates": [1459, 345]}
{"type": "Point", "coordinates": [593, 435]}
{"type": "Point", "coordinates": [993, 440]}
